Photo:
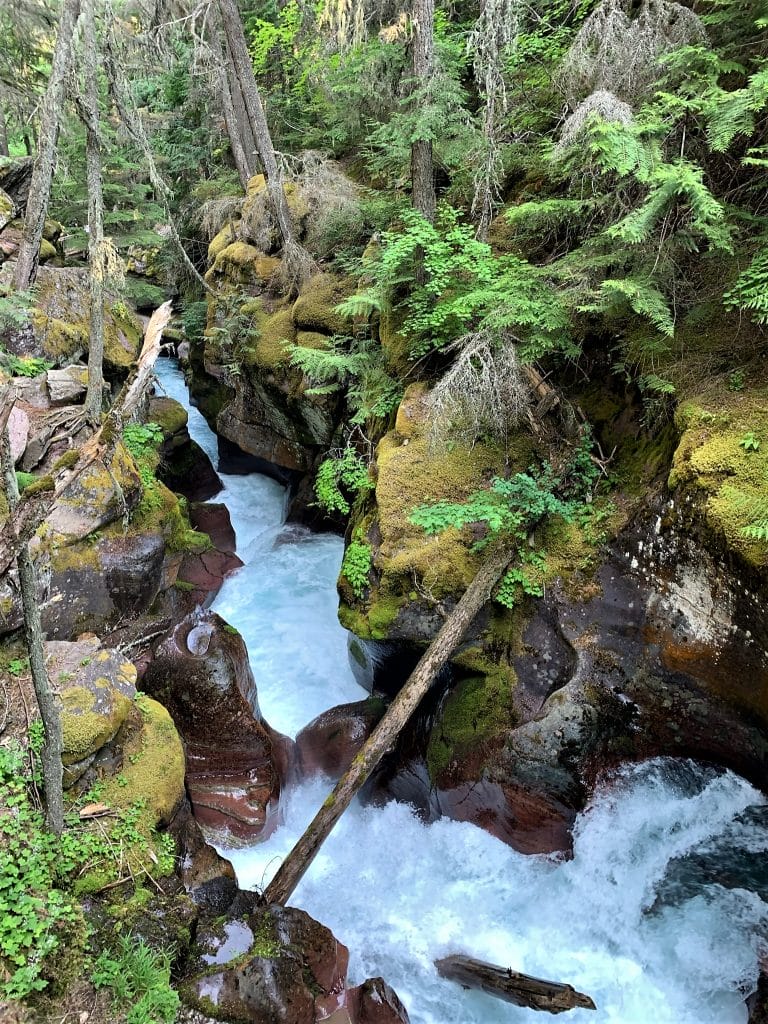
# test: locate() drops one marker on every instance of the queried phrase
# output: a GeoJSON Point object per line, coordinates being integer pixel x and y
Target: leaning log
{"type": "Point", "coordinates": [386, 732]}
{"type": "Point", "coordinates": [512, 986]}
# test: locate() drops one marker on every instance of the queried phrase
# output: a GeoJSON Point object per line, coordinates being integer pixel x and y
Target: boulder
{"type": "Point", "coordinates": [213, 518]}
{"type": "Point", "coordinates": [68, 385]}
{"type": "Point", "coordinates": [328, 744]}
{"type": "Point", "coordinates": [7, 209]}
{"type": "Point", "coordinates": [291, 964]}
{"type": "Point", "coordinates": [18, 431]}
{"type": "Point", "coordinates": [235, 762]}
{"type": "Point", "coordinates": [60, 319]}
{"type": "Point", "coordinates": [97, 688]}
{"type": "Point", "coordinates": [15, 180]}
{"type": "Point", "coordinates": [184, 466]}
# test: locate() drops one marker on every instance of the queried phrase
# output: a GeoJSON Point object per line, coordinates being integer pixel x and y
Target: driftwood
{"type": "Point", "coordinates": [32, 511]}
{"type": "Point", "coordinates": [386, 732]}
{"type": "Point", "coordinates": [513, 987]}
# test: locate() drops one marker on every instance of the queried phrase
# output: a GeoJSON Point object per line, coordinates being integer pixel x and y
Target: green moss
{"type": "Point", "coordinates": [88, 720]}
{"type": "Point", "coordinates": [275, 336]}
{"type": "Point", "coordinates": [266, 943]}
{"type": "Point", "coordinates": [153, 768]}
{"type": "Point", "coordinates": [315, 308]}
{"type": "Point", "coordinates": [478, 709]}
{"type": "Point", "coordinates": [312, 339]}
{"type": "Point", "coordinates": [168, 414]}
{"type": "Point", "coordinates": [712, 466]}
{"type": "Point", "coordinates": [47, 251]}
{"type": "Point", "coordinates": [225, 237]}
{"type": "Point", "coordinates": [66, 461]}
{"type": "Point", "coordinates": [43, 483]}
{"type": "Point", "coordinates": [240, 263]}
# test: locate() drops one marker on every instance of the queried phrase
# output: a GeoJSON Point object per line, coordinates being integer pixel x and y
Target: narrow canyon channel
{"type": "Point", "coordinates": [659, 916]}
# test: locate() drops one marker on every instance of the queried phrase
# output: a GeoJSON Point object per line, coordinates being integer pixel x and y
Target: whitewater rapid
{"type": "Point", "coordinates": [401, 894]}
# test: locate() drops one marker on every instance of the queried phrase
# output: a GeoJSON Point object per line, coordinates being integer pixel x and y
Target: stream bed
{"type": "Point", "coordinates": [658, 916]}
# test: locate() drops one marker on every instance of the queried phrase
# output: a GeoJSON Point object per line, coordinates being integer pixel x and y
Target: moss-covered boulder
{"type": "Point", "coordinates": [97, 688]}
{"type": "Point", "coordinates": [721, 467]}
{"type": "Point", "coordinates": [61, 322]}
{"type": "Point", "coordinates": [315, 308]}
{"type": "Point", "coordinates": [243, 265]}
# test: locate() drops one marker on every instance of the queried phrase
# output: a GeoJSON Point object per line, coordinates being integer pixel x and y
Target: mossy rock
{"type": "Point", "coordinates": [312, 339]}
{"type": "Point", "coordinates": [7, 209]}
{"type": "Point", "coordinates": [97, 688]}
{"type": "Point", "coordinates": [275, 335]}
{"type": "Point", "coordinates": [97, 497]}
{"type": "Point", "coordinates": [259, 224]}
{"type": "Point", "coordinates": [242, 264]}
{"type": "Point", "coordinates": [168, 414]}
{"type": "Point", "coordinates": [721, 463]}
{"type": "Point", "coordinates": [52, 230]}
{"type": "Point", "coordinates": [60, 320]}
{"type": "Point", "coordinates": [315, 308]}
{"type": "Point", "coordinates": [220, 241]}
{"type": "Point", "coordinates": [47, 251]}
{"type": "Point", "coordinates": [153, 766]}
{"type": "Point", "coordinates": [477, 711]}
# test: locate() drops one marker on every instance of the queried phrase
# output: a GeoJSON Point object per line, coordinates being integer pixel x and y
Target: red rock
{"type": "Point", "coordinates": [213, 518]}
{"type": "Point", "coordinates": [18, 429]}
{"type": "Point", "coordinates": [206, 572]}
{"type": "Point", "coordinates": [235, 761]}
{"type": "Point", "coordinates": [328, 744]}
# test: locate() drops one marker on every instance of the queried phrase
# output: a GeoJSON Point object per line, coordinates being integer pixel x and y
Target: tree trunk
{"type": "Point", "coordinates": [241, 61]}
{"type": "Point", "coordinates": [235, 124]}
{"type": "Point", "coordinates": [386, 732]}
{"type": "Point", "coordinates": [422, 169]}
{"type": "Point", "coordinates": [96, 260]}
{"type": "Point", "coordinates": [511, 986]}
{"type": "Point", "coordinates": [33, 633]}
{"type": "Point", "coordinates": [45, 160]}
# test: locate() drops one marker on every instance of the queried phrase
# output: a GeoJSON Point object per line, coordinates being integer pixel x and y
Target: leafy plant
{"type": "Point", "coordinates": [138, 978]}
{"type": "Point", "coordinates": [141, 438]}
{"type": "Point", "coordinates": [27, 366]}
{"type": "Point", "coordinates": [356, 566]}
{"type": "Point", "coordinates": [749, 442]}
{"type": "Point", "coordinates": [348, 471]}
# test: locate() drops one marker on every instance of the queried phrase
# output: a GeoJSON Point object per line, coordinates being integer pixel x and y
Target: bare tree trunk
{"type": "Point", "coordinates": [422, 169]}
{"type": "Point", "coordinates": [238, 104]}
{"type": "Point", "coordinates": [33, 633]}
{"type": "Point", "coordinates": [96, 255]}
{"type": "Point", "coordinates": [381, 739]}
{"type": "Point", "coordinates": [45, 160]}
{"type": "Point", "coordinates": [235, 125]}
{"type": "Point", "coordinates": [241, 60]}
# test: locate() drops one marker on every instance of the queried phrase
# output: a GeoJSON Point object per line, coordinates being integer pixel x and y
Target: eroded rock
{"type": "Point", "coordinates": [235, 762]}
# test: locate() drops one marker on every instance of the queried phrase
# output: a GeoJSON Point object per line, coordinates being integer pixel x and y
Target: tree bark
{"type": "Point", "coordinates": [511, 986]}
{"type": "Point", "coordinates": [96, 262]}
{"type": "Point", "coordinates": [33, 634]}
{"type": "Point", "coordinates": [399, 712]}
{"type": "Point", "coordinates": [45, 160]}
{"type": "Point", "coordinates": [423, 53]}
{"type": "Point", "coordinates": [234, 125]}
{"type": "Point", "coordinates": [241, 61]}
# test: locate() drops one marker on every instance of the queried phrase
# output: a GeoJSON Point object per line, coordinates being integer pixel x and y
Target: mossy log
{"type": "Point", "coordinates": [381, 739]}
{"type": "Point", "coordinates": [512, 986]}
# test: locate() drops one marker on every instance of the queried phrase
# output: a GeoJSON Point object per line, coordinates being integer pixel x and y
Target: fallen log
{"type": "Point", "coordinates": [386, 732]}
{"type": "Point", "coordinates": [512, 986]}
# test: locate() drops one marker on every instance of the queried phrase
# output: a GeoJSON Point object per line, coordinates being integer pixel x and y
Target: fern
{"type": "Point", "coordinates": [750, 292]}
{"type": "Point", "coordinates": [642, 297]}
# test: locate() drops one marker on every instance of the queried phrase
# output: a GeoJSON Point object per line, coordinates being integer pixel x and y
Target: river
{"type": "Point", "coordinates": [401, 894]}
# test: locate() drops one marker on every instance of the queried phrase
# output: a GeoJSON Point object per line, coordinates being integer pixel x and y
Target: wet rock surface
{"type": "Point", "coordinates": [328, 744]}
{"type": "Point", "coordinates": [235, 762]}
